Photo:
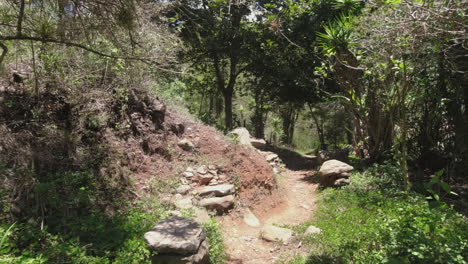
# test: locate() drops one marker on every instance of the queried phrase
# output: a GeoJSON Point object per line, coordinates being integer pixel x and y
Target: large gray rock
{"type": "Point", "coordinates": [176, 235]}
{"type": "Point", "coordinates": [218, 203]}
{"type": "Point", "coordinates": [277, 234]}
{"type": "Point", "coordinates": [217, 190]}
{"type": "Point", "coordinates": [243, 135]}
{"type": "Point", "coordinates": [332, 170]}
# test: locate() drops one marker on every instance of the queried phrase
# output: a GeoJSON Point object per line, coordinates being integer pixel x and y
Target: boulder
{"type": "Point", "coordinates": [277, 234]}
{"type": "Point", "coordinates": [218, 203]}
{"type": "Point", "coordinates": [178, 240]}
{"type": "Point", "coordinates": [186, 145]}
{"type": "Point", "coordinates": [312, 230]}
{"type": "Point", "coordinates": [243, 135]}
{"type": "Point", "coordinates": [332, 170]}
{"type": "Point", "coordinates": [217, 190]}
{"type": "Point", "coordinates": [257, 143]}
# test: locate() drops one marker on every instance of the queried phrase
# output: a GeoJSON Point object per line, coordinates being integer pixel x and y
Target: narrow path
{"type": "Point", "coordinates": [243, 242]}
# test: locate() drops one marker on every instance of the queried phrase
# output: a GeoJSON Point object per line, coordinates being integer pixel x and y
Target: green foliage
{"type": "Point", "coordinates": [217, 254]}
{"type": "Point", "coordinates": [373, 221]}
{"type": "Point", "coordinates": [94, 238]}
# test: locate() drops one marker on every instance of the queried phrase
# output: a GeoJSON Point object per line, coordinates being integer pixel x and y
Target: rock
{"type": "Point", "coordinates": [188, 174]}
{"type": "Point", "coordinates": [183, 189]}
{"type": "Point", "coordinates": [342, 182]}
{"type": "Point", "coordinates": [257, 143]}
{"type": "Point", "coordinates": [332, 170]}
{"type": "Point", "coordinates": [190, 169]}
{"type": "Point", "coordinates": [178, 240]}
{"type": "Point", "coordinates": [217, 190]}
{"type": "Point", "coordinates": [250, 219]}
{"type": "Point", "coordinates": [204, 178]}
{"type": "Point", "coordinates": [185, 203]}
{"type": "Point", "coordinates": [202, 170]}
{"type": "Point", "coordinates": [276, 170]}
{"type": "Point", "coordinates": [243, 135]}
{"type": "Point", "coordinates": [311, 230]}
{"type": "Point", "coordinates": [218, 203]}
{"type": "Point", "coordinates": [175, 235]}
{"type": "Point", "coordinates": [201, 257]}
{"type": "Point", "coordinates": [271, 157]}
{"type": "Point", "coordinates": [201, 215]}
{"type": "Point", "coordinates": [186, 145]}
{"type": "Point", "coordinates": [277, 234]}
{"type": "Point", "coordinates": [211, 167]}
{"type": "Point", "coordinates": [213, 182]}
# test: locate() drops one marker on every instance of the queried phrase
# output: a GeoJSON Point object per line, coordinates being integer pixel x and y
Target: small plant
{"type": "Point", "coordinates": [217, 254]}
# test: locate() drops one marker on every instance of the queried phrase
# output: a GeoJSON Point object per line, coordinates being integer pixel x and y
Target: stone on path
{"type": "Point", "coordinates": [218, 203]}
{"type": "Point", "coordinates": [277, 234]}
{"type": "Point", "coordinates": [178, 240]}
{"type": "Point", "coordinates": [311, 230]}
{"type": "Point", "coordinates": [217, 190]}
{"type": "Point", "coordinates": [250, 219]}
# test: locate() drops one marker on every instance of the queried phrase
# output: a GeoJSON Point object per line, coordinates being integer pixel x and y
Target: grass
{"type": "Point", "coordinates": [373, 221]}
{"type": "Point", "coordinates": [76, 228]}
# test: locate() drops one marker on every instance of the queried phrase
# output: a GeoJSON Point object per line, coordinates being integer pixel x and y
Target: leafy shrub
{"type": "Point", "coordinates": [217, 255]}
{"type": "Point", "coordinates": [371, 221]}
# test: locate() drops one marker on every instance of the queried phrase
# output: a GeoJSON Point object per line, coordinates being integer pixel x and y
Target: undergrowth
{"type": "Point", "coordinates": [373, 221]}
{"type": "Point", "coordinates": [71, 226]}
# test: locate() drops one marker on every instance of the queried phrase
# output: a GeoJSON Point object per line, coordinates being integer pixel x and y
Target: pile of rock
{"type": "Point", "coordinates": [207, 187]}
{"type": "Point", "coordinates": [334, 173]}
{"type": "Point", "coordinates": [178, 240]}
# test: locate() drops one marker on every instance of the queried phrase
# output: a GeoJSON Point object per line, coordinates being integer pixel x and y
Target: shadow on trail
{"type": "Point", "coordinates": [293, 160]}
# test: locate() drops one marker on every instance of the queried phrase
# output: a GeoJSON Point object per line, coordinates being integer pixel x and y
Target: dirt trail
{"type": "Point", "coordinates": [243, 242]}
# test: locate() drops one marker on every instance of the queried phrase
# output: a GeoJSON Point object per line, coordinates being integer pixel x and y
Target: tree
{"type": "Point", "coordinates": [214, 33]}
